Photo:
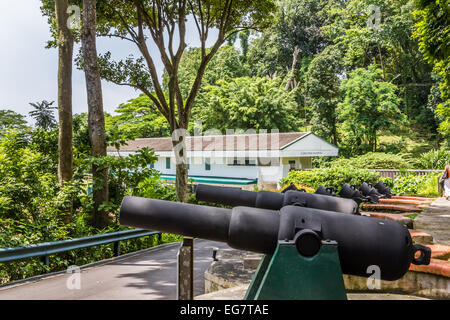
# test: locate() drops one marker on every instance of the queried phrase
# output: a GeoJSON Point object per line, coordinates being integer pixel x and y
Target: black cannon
{"type": "Point", "coordinates": [383, 189]}
{"type": "Point", "coordinates": [361, 241]}
{"type": "Point", "coordinates": [350, 192]}
{"type": "Point", "coordinates": [273, 200]}
{"type": "Point", "coordinates": [371, 193]}
{"type": "Point", "coordinates": [347, 192]}
{"type": "Point", "coordinates": [327, 191]}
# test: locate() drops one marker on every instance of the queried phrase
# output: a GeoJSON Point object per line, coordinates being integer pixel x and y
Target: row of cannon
{"type": "Point", "coordinates": [366, 193]}
{"type": "Point", "coordinates": [259, 221]}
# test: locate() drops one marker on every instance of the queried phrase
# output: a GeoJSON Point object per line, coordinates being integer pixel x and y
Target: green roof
{"type": "Point", "coordinates": [214, 180]}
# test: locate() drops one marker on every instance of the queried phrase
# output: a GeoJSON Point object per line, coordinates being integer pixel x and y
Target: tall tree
{"type": "Point", "coordinates": [164, 22]}
{"type": "Point", "coordinates": [322, 92]}
{"type": "Point", "coordinates": [369, 106]}
{"type": "Point", "coordinates": [65, 55]}
{"type": "Point", "coordinates": [380, 31]}
{"type": "Point", "coordinates": [248, 103]}
{"type": "Point", "coordinates": [297, 25]}
{"type": "Point", "coordinates": [433, 32]}
{"type": "Point", "coordinates": [96, 119]}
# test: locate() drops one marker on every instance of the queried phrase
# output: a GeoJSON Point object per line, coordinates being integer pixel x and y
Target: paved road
{"type": "Point", "coordinates": [147, 275]}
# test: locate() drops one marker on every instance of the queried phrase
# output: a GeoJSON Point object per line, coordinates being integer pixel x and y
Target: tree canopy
{"type": "Point", "coordinates": [433, 32]}
{"type": "Point", "coordinates": [370, 105]}
{"type": "Point", "coordinates": [11, 120]}
{"type": "Point", "coordinates": [248, 103]}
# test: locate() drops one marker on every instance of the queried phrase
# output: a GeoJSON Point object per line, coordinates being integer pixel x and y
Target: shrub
{"type": "Point", "coordinates": [411, 184]}
{"type": "Point", "coordinates": [435, 159]}
{"type": "Point", "coordinates": [334, 177]}
{"type": "Point", "coordinates": [374, 160]}
{"type": "Point", "coordinates": [32, 203]}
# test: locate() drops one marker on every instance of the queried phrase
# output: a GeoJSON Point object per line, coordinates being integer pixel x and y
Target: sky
{"type": "Point", "coordinates": [28, 71]}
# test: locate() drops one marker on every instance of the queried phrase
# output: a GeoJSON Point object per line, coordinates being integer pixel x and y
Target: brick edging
{"type": "Point", "coordinates": [437, 267]}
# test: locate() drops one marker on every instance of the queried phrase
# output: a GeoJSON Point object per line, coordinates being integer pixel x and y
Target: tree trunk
{"type": "Point", "coordinates": [182, 183]}
{"type": "Point", "coordinates": [96, 119]}
{"type": "Point", "coordinates": [382, 62]}
{"type": "Point", "coordinates": [65, 55]}
{"type": "Point", "coordinates": [179, 147]}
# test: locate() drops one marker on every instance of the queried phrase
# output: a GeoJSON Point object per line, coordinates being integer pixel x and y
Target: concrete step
{"type": "Point", "coordinates": [439, 251]}
{"type": "Point", "coordinates": [420, 237]}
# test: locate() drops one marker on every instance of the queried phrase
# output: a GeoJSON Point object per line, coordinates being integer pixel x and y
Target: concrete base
{"type": "Point", "coordinates": [229, 273]}
{"type": "Point", "coordinates": [238, 293]}
{"type": "Point", "coordinates": [414, 283]}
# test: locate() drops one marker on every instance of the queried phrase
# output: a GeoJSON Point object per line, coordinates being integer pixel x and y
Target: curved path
{"type": "Point", "coordinates": [435, 220]}
{"type": "Point", "coordinates": [146, 275]}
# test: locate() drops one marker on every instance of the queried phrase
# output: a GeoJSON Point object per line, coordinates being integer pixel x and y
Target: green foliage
{"type": "Point", "coordinates": [33, 206]}
{"type": "Point", "coordinates": [373, 160]}
{"type": "Point", "coordinates": [334, 177]}
{"type": "Point", "coordinates": [248, 103]}
{"type": "Point", "coordinates": [388, 181]}
{"type": "Point", "coordinates": [296, 23]}
{"type": "Point", "coordinates": [411, 184]}
{"type": "Point", "coordinates": [138, 118]}
{"type": "Point", "coordinates": [24, 178]}
{"type": "Point", "coordinates": [433, 31]}
{"type": "Point", "coordinates": [125, 175]}
{"type": "Point", "coordinates": [80, 141]}
{"type": "Point", "coordinates": [434, 160]}
{"type": "Point", "coordinates": [322, 92]}
{"type": "Point", "coordinates": [370, 105]}
{"type": "Point", "coordinates": [11, 120]}
{"type": "Point", "coordinates": [225, 65]}
{"type": "Point", "coordinates": [390, 46]}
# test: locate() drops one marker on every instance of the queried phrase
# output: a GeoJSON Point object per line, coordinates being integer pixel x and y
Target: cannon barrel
{"type": "Point", "coordinates": [362, 241]}
{"type": "Point", "coordinates": [274, 200]}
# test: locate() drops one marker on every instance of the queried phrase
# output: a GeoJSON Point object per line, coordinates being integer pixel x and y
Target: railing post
{"type": "Point", "coordinates": [159, 236]}
{"type": "Point", "coordinates": [185, 285]}
{"type": "Point", "coordinates": [46, 260]}
{"type": "Point", "coordinates": [116, 248]}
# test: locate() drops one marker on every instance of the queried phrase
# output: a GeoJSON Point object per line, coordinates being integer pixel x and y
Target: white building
{"type": "Point", "coordinates": [246, 159]}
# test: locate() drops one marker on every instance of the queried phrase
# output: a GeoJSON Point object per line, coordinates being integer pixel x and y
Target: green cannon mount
{"type": "Point", "coordinates": [287, 275]}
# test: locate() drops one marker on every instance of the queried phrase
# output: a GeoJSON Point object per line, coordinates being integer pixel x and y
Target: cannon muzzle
{"type": "Point", "coordinates": [382, 188]}
{"type": "Point", "coordinates": [274, 200]}
{"type": "Point", "coordinates": [362, 241]}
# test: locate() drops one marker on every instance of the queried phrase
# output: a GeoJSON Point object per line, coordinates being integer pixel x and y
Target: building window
{"type": "Point", "coordinates": [250, 163]}
{"type": "Point", "coordinates": [188, 164]}
{"type": "Point", "coordinates": [208, 164]}
{"type": "Point", "coordinates": [292, 165]}
{"type": "Point", "coordinates": [241, 162]}
{"type": "Point", "coordinates": [167, 163]}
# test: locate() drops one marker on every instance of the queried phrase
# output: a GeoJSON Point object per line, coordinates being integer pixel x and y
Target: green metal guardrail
{"type": "Point", "coordinates": [46, 249]}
